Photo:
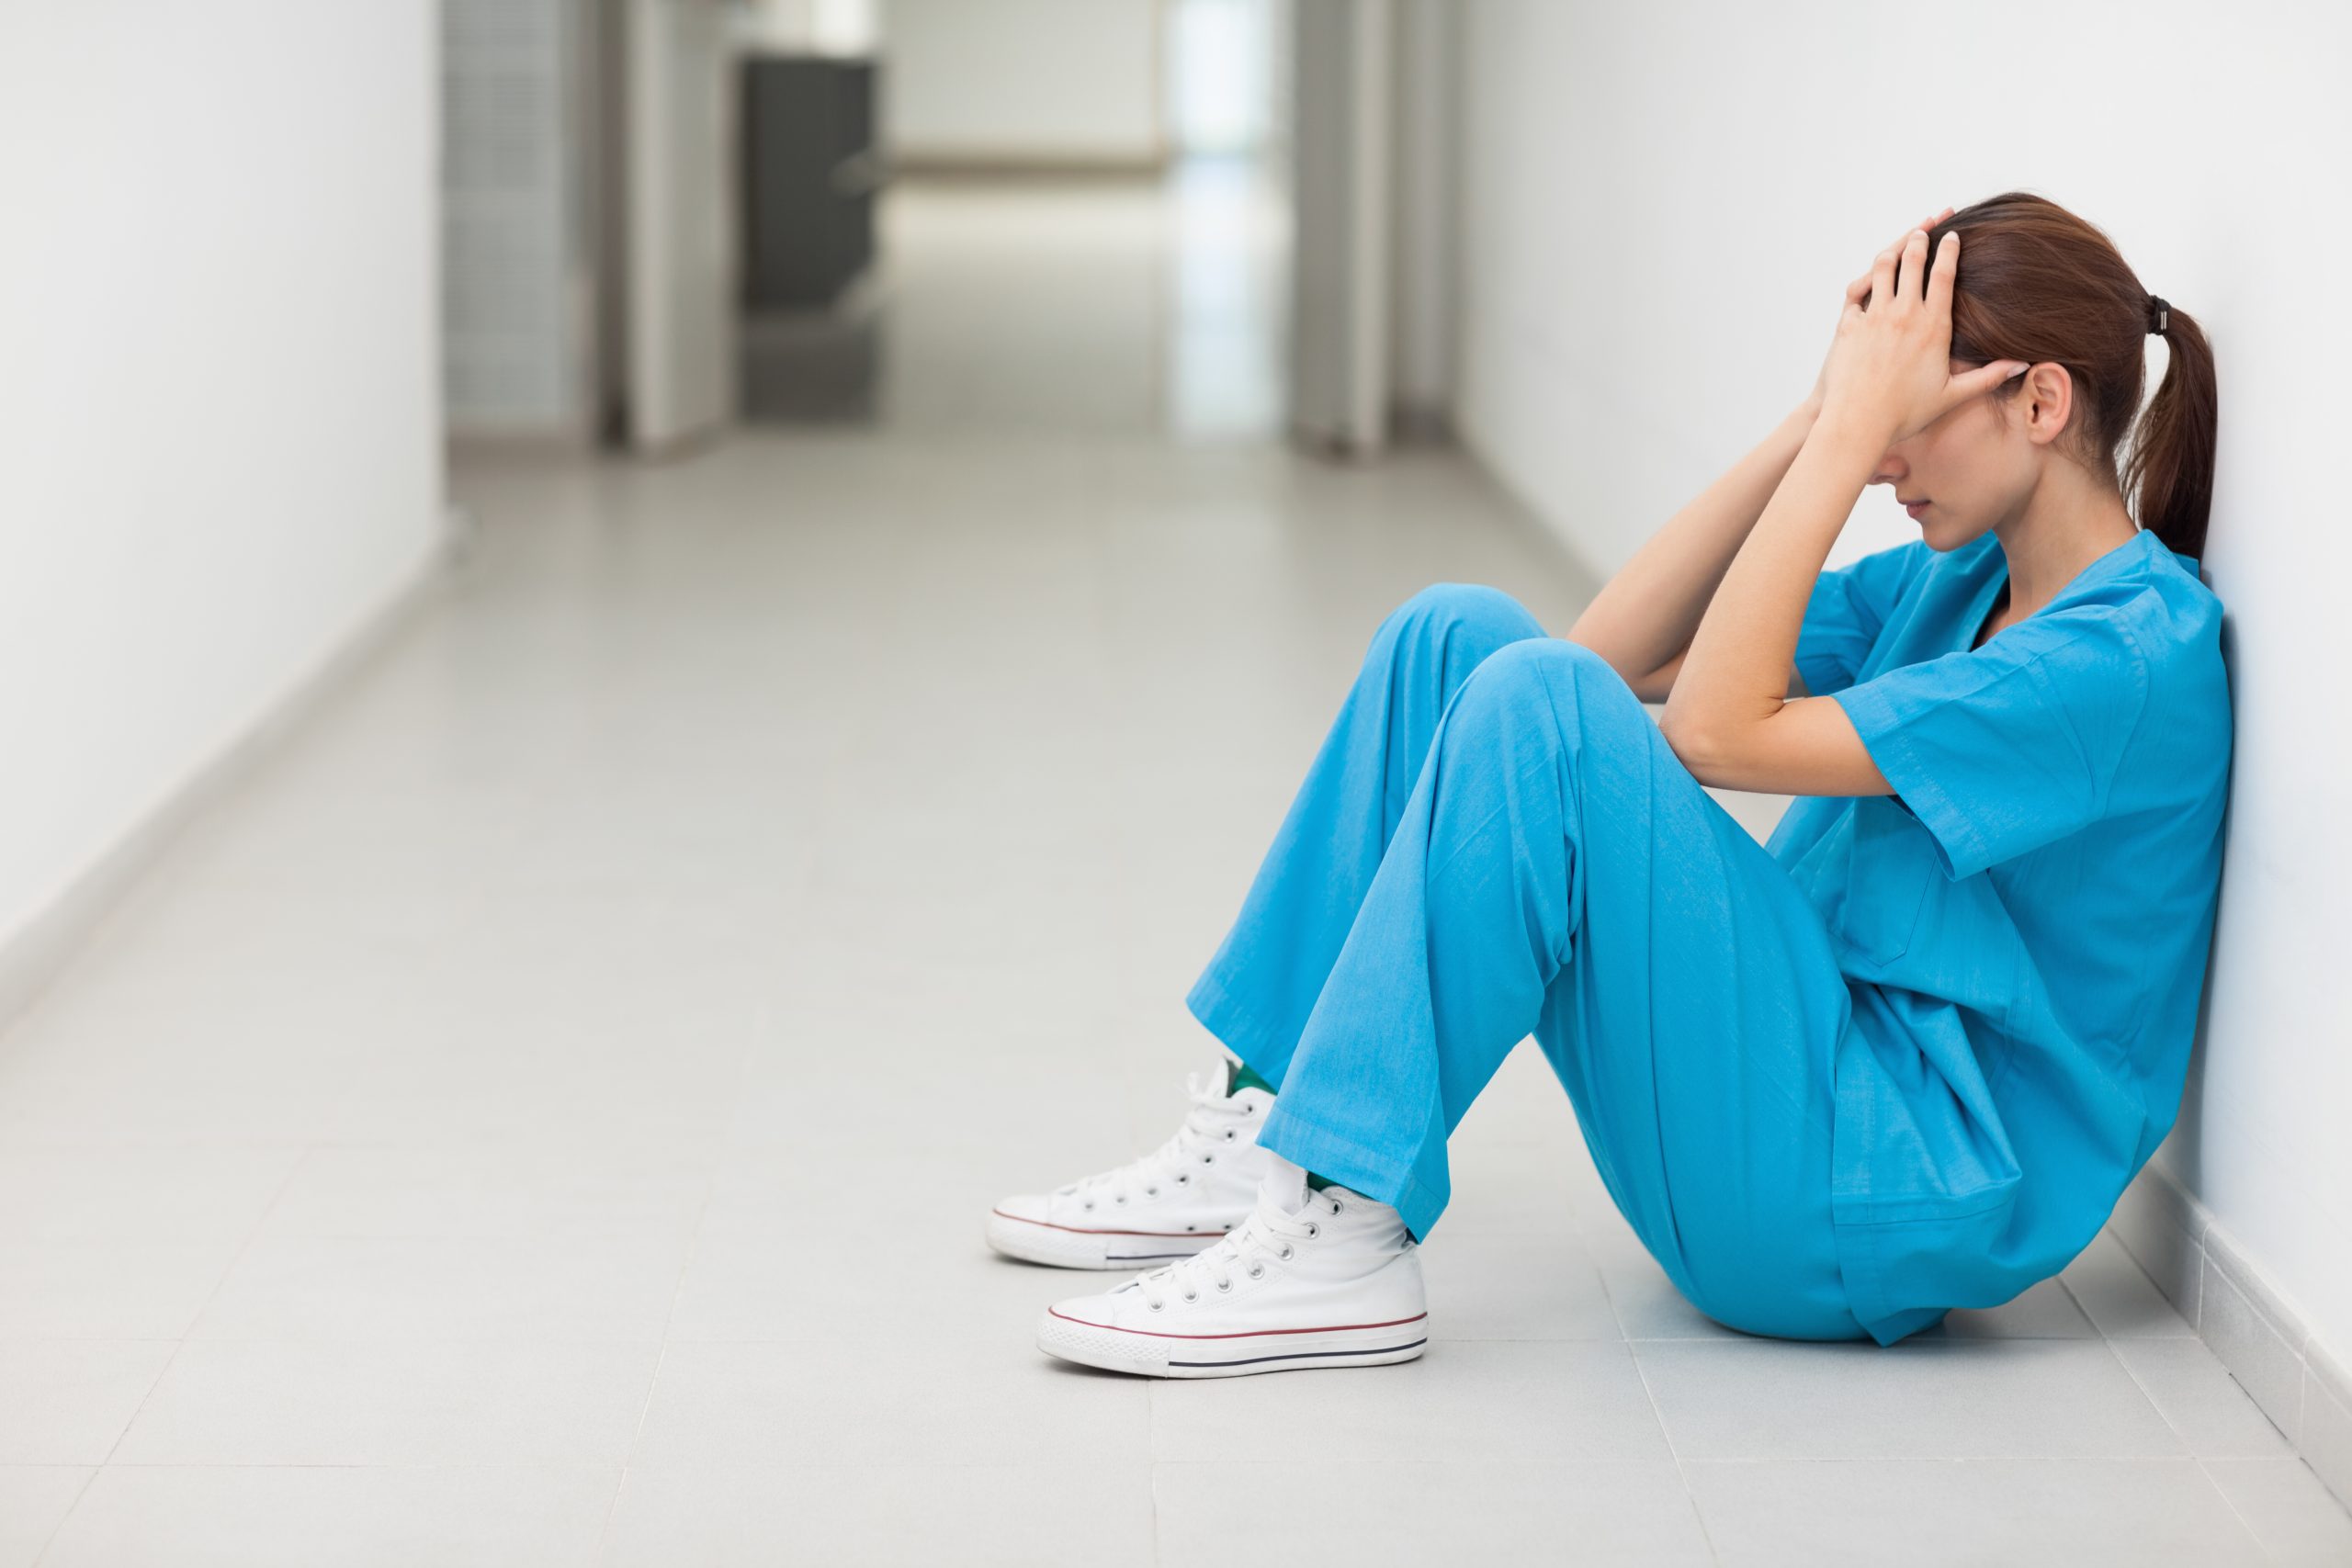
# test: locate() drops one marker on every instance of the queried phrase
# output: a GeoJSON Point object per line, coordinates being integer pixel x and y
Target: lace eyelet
{"type": "Point", "coordinates": [1228, 1134]}
{"type": "Point", "coordinates": [1335, 1206]}
{"type": "Point", "coordinates": [1313, 1230]}
{"type": "Point", "coordinates": [1154, 1192]}
{"type": "Point", "coordinates": [1185, 1179]}
{"type": "Point", "coordinates": [1284, 1254]}
{"type": "Point", "coordinates": [1208, 1159]}
{"type": "Point", "coordinates": [1156, 1306]}
{"type": "Point", "coordinates": [1090, 1205]}
{"type": "Point", "coordinates": [1224, 1286]}
{"type": "Point", "coordinates": [1257, 1271]}
{"type": "Point", "coordinates": [1121, 1199]}
{"type": "Point", "coordinates": [1192, 1295]}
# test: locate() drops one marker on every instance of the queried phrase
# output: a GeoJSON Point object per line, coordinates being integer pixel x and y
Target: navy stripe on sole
{"type": "Point", "coordinates": [1307, 1354]}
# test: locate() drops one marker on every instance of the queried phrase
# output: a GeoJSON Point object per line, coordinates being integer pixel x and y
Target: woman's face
{"type": "Point", "coordinates": [1971, 470]}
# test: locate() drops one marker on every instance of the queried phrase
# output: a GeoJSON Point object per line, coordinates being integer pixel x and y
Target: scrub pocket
{"type": "Point", "coordinates": [1887, 883]}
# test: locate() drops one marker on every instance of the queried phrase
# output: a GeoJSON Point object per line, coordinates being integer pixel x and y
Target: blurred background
{"type": "Point", "coordinates": [619, 618]}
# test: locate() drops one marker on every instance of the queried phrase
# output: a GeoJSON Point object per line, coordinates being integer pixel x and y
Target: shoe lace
{"type": "Point", "coordinates": [1267, 1234]}
{"type": "Point", "coordinates": [1213, 1122]}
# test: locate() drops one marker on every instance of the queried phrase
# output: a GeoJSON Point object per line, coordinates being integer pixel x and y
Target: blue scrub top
{"type": "Point", "coordinates": [2024, 925]}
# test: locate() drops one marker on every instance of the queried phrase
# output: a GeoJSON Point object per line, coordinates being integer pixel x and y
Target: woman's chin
{"type": "Point", "coordinates": [1943, 534]}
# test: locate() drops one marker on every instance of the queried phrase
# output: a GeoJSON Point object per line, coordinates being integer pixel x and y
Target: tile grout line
{"type": "Point", "coordinates": [1690, 1494]}
{"type": "Point", "coordinates": [1633, 1355]}
{"type": "Point", "coordinates": [2231, 1504]}
{"type": "Point", "coordinates": [677, 1293]}
{"type": "Point", "coordinates": [2173, 1427]}
{"type": "Point", "coordinates": [252, 1233]}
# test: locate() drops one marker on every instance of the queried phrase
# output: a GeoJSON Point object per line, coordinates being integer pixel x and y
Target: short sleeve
{"type": "Point", "coordinates": [1848, 608]}
{"type": "Point", "coordinates": [2007, 748]}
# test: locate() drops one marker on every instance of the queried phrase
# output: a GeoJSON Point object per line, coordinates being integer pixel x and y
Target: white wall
{"type": "Point", "coordinates": [1662, 204]}
{"type": "Point", "coordinates": [1047, 81]}
{"type": "Point", "coordinates": [219, 411]}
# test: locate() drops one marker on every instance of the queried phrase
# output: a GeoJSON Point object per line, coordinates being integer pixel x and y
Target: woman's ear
{"type": "Point", "coordinates": [2045, 396]}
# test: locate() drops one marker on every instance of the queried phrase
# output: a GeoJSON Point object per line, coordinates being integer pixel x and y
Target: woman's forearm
{"type": "Point", "coordinates": [1650, 609]}
{"type": "Point", "coordinates": [1735, 676]}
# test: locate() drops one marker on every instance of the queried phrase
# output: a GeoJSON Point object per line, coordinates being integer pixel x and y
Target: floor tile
{"type": "Point", "coordinates": [1966, 1513]}
{"type": "Point", "coordinates": [1079, 1512]}
{"type": "Point", "coordinates": [100, 1191]}
{"type": "Point", "coordinates": [261, 1402]}
{"type": "Point", "coordinates": [919, 1401]}
{"type": "Point", "coordinates": [828, 1282]}
{"type": "Point", "coordinates": [1989, 1398]}
{"type": "Point", "coordinates": [67, 1400]}
{"type": "Point", "coordinates": [107, 1288]}
{"type": "Point", "coordinates": [1552, 1402]}
{"type": "Point", "coordinates": [1504, 1188]}
{"type": "Point", "coordinates": [1646, 1303]}
{"type": "Point", "coordinates": [497, 1288]}
{"type": "Point", "coordinates": [1515, 1287]}
{"type": "Point", "coordinates": [2297, 1520]}
{"type": "Point", "coordinates": [2214, 1417]}
{"type": "Point", "coordinates": [33, 1503]}
{"type": "Point", "coordinates": [2118, 1296]}
{"type": "Point", "coordinates": [2042, 1311]}
{"type": "Point", "coordinates": [1368, 1513]}
{"type": "Point", "coordinates": [534, 1187]}
{"type": "Point", "coordinates": [334, 1517]}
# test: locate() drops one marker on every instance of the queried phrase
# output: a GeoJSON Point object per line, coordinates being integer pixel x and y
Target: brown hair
{"type": "Point", "coordinates": [2037, 283]}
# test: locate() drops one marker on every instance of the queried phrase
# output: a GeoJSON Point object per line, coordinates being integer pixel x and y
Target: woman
{"type": "Point", "coordinates": [1903, 1058]}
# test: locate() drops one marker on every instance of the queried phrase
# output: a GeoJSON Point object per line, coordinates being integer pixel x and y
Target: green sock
{"type": "Point", "coordinates": [1240, 1075]}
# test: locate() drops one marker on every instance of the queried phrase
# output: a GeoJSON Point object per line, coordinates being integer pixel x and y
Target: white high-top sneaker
{"type": "Point", "coordinates": [1167, 1204]}
{"type": "Point", "coordinates": [1326, 1278]}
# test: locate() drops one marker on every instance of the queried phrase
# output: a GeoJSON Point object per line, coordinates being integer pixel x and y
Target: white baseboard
{"type": "Point", "coordinates": [35, 952]}
{"type": "Point", "coordinates": [2251, 1326]}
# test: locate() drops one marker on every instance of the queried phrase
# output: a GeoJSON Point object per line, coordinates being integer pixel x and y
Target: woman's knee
{"type": "Point", "coordinates": [1443, 607]}
{"type": "Point", "coordinates": [1563, 672]}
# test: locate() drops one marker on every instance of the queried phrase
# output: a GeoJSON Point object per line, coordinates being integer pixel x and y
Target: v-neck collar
{"type": "Point", "coordinates": [1979, 603]}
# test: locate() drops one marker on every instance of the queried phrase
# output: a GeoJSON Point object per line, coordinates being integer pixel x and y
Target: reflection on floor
{"type": "Point", "coordinates": [547, 1116]}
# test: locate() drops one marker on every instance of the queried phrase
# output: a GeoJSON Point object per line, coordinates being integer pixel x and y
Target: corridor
{"type": "Point", "coordinates": [545, 1114]}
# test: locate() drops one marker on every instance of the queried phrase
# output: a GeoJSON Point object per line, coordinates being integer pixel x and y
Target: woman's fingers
{"type": "Point", "coordinates": [1859, 291]}
{"type": "Point", "coordinates": [1941, 273]}
{"type": "Point", "coordinates": [1882, 276]}
{"type": "Point", "coordinates": [1911, 275]}
{"type": "Point", "coordinates": [1984, 379]}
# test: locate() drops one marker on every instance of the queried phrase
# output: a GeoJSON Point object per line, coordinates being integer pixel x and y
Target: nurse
{"type": "Point", "coordinates": [1902, 1058]}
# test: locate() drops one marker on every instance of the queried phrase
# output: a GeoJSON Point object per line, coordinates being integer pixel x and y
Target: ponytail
{"type": "Point", "coordinates": [2169, 472]}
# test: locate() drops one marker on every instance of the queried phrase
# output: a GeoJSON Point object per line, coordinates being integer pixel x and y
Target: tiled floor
{"type": "Point", "coordinates": [546, 1117]}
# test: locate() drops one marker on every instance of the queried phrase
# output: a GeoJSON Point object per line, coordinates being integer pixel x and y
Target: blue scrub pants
{"type": "Point", "coordinates": [1495, 841]}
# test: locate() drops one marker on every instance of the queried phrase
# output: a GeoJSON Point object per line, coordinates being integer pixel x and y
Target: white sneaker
{"type": "Point", "coordinates": [1166, 1205]}
{"type": "Point", "coordinates": [1327, 1279]}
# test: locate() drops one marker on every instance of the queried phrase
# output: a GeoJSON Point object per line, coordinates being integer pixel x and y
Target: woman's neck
{"type": "Point", "coordinates": [2068, 522]}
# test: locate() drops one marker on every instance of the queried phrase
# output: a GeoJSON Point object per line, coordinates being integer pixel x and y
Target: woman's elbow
{"type": "Point", "coordinates": [1691, 745]}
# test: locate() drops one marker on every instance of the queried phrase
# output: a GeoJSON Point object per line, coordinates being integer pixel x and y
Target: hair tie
{"type": "Point", "coordinates": [2159, 314]}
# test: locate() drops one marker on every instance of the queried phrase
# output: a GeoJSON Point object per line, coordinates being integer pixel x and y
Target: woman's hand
{"type": "Point", "coordinates": [1856, 292]}
{"type": "Point", "coordinates": [1889, 368]}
